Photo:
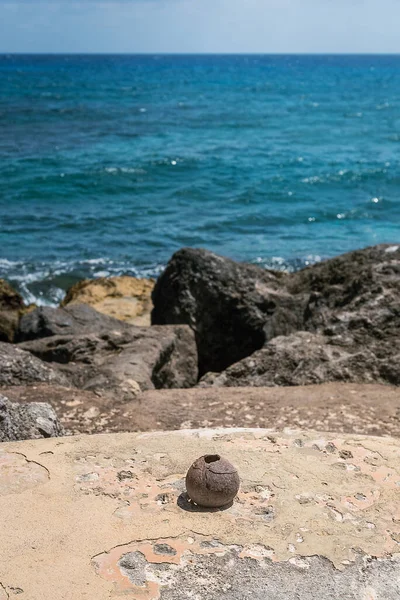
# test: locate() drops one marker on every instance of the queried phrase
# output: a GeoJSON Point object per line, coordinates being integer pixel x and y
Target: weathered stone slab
{"type": "Point", "coordinates": [99, 353]}
{"type": "Point", "coordinates": [317, 516]}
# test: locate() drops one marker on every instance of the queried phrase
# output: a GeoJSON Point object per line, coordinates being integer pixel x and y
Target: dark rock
{"type": "Point", "coordinates": [18, 367]}
{"type": "Point", "coordinates": [11, 307]}
{"type": "Point", "coordinates": [76, 319]}
{"type": "Point", "coordinates": [96, 352]}
{"type": "Point", "coordinates": [27, 421]}
{"type": "Point", "coordinates": [350, 303]}
{"type": "Point", "coordinates": [233, 308]}
{"type": "Point", "coordinates": [356, 293]}
{"type": "Point", "coordinates": [304, 358]}
{"type": "Point", "coordinates": [123, 362]}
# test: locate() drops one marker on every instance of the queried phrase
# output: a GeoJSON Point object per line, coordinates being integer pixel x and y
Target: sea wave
{"type": "Point", "coordinates": [45, 283]}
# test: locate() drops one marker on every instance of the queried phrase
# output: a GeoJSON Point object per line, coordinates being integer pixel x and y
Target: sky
{"type": "Point", "coordinates": [196, 26]}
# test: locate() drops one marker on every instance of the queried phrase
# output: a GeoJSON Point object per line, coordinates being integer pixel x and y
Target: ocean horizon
{"type": "Point", "coordinates": [112, 162]}
{"type": "Point", "coordinates": [153, 54]}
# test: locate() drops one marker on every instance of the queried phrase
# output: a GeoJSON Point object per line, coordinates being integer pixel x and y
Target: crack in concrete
{"type": "Point", "coordinates": [372, 450]}
{"type": "Point", "coordinates": [18, 473]}
{"type": "Point", "coordinates": [140, 541]}
{"type": "Point", "coordinates": [34, 462]}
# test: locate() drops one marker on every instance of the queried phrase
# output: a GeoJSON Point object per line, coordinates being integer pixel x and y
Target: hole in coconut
{"type": "Point", "coordinates": [210, 458]}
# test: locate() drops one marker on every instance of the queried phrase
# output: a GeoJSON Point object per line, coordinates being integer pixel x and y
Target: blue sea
{"type": "Point", "coordinates": [109, 164]}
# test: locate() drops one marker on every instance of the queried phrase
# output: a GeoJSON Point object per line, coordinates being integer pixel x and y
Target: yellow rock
{"type": "Point", "coordinates": [125, 298]}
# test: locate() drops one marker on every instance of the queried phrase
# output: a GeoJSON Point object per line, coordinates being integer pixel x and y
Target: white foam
{"type": "Point", "coordinates": [37, 282]}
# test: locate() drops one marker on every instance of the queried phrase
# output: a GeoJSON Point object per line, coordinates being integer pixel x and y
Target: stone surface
{"type": "Point", "coordinates": [125, 298]}
{"type": "Point", "coordinates": [18, 367]}
{"type": "Point", "coordinates": [100, 518]}
{"type": "Point", "coordinates": [11, 308]}
{"type": "Point", "coordinates": [123, 361]}
{"type": "Point", "coordinates": [27, 421]}
{"type": "Point", "coordinates": [344, 408]}
{"type": "Point", "coordinates": [232, 307]}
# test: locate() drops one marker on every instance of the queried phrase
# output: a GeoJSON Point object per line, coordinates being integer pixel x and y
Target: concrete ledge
{"type": "Point", "coordinates": [105, 516]}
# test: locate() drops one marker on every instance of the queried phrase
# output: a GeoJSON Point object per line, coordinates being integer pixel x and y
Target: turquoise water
{"type": "Point", "coordinates": [111, 163]}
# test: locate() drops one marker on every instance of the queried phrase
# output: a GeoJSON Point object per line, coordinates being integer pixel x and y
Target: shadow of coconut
{"type": "Point", "coordinates": [185, 503]}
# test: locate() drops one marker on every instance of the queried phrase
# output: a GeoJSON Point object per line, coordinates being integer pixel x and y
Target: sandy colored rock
{"type": "Point", "coordinates": [344, 408]}
{"type": "Point", "coordinates": [125, 298]}
{"type": "Point", "coordinates": [106, 517]}
{"type": "Point", "coordinates": [80, 411]}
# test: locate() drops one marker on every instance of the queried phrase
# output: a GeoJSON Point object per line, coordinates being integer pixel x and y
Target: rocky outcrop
{"type": "Point", "coordinates": [11, 307]}
{"type": "Point", "coordinates": [74, 320]}
{"type": "Point", "coordinates": [18, 367]}
{"type": "Point", "coordinates": [101, 353]}
{"type": "Point", "coordinates": [125, 298]}
{"type": "Point", "coordinates": [354, 296]}
{"type": "Point", "coordinates": [305, 358]}
{"type": "Point", "coordinates": [27, 421]}
{"type": "Point", "coordinates": [233, 308]}
{"type": "Point", "coordinates": [336, 321]}
{"type": "Point", "coordinates": [349, 306]}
